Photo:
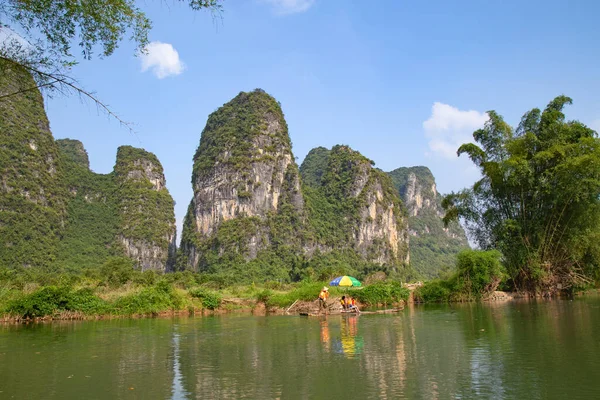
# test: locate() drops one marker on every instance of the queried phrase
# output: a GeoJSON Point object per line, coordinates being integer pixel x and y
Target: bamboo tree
{"type": "Point", "coordinates": [538, 201]}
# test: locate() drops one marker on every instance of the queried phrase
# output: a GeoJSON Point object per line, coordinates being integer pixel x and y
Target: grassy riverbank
{"type": "Point", "coordinates": [116, 290]}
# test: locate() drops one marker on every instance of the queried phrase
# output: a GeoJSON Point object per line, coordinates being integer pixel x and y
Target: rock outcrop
{"type": "Point", "coordinates": [146, 210]}
{"type": "Point", "coordinates": [354, 206]}
{"type": "Point", "coordinates": [244, 172]}
{"type": "Point", "coordinates": [128, 212]}
{"type": "Point", "coordinates": [433, 246]}
{"type": "Point", "coordinates": [74, 151]}
{"type": "Point", "coordinates": [54, 211]}
{"type": "Point", "coordinates": [251, 214]}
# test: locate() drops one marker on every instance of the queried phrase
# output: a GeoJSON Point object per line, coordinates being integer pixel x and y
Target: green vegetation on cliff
{"type": "Point", "coordinates": [56, 213]}
{"type": "Point", "coordinates": [433, 247]}
{"type": "Point", "coordinates": [252, 219]}
{"type": "Point", "coordinates": [423, 175]}
{"type": "Point", "coordinates": [244, 167]}
{"type": "Point", "coordinates": [74, 151]}
{"type": "Point", "coordinates": [32, 189]}
{"type": "Point", "coordinates": [231, 133]}
{"type": "Point", "coordinates": [332, 210]}
{"type": "Point", "coordinates": [336, 186]}
{"type": "Point", "coordinates": [92, 223]}
{"type": "Point", "coordinates": [314, 165]}
{"type": "Point", "coordinates": [103, 210]}
{"type": "Point", "coordinates": [274, 247]}
{"type": "Point", "coordinates": [146, 208]}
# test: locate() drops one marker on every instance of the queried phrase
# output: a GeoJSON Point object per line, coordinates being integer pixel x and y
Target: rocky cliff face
{"type": "Point", "coordinates": [419, 194]}
{"type": "Point", "coordinates": [251, 214]}
{"type": "Point", "coordinates": [433, 246]}
{"type": "Point", "coordinates": [54, 211]}
{"type": "Point", "coordinates": [146, 209]}
{"type": "Point", "coordinates": [244, 171]}
{"type": "Point", "coordinates": [365, 210]}
{"type": "Point", "coordinates": [128, 212]}
{"type": "Point", "coordinates": [32, 191]}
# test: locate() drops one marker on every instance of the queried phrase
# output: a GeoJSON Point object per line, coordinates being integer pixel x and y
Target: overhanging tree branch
{"type": "Point", "coordinates": [63, 83]}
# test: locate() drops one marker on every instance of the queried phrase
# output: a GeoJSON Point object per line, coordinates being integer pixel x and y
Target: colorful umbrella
{"type": "Point", "coordinates": [345, 281]}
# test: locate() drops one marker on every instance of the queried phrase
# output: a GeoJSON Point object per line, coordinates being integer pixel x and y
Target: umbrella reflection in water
{"type": "Point", "coordinates": [350, 343]}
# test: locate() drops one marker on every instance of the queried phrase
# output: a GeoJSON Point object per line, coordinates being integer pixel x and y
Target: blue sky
{"type": "Point", "coordinates": [403, 82]}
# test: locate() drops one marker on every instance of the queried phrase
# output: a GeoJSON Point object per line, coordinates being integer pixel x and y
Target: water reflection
{"type": "Point", "coordinates": [349, 344]}
{"type": "Point", "coordinates": [517, 350]}
{"type": "Point", "coordinates": [178, 389]}
{"type": "Point", "coordinates": [325, 337]}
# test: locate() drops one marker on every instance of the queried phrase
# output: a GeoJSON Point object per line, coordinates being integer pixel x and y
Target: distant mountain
{"type": "Point", "coordinates": [55, 211]}
{"type": "Point", "coordinates": [353, 205]}
{"type": "Point", "coordinates": [433, 247]}
{"type": "Point", "coordinates": [251, 216]}
{"type": "Point", "coordinates": [254, 215]}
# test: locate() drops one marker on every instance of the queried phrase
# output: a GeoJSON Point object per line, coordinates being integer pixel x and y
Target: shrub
{"type": "Point", "coordinates": [479, 272]}
{"type": "Point", "coordinates": [146, 278]}
{"type": "Point", "coordinates": [117, 271]}
{"type": "Point", "coordinates": [210, 300]}
{"type": "Point", "coordinates": [181, 279]}
{"type": "Point", "coordinates": [433, 291]}
{"type": "Point", "coordinates": [152, 300]}
{"type": "Point", "coordinates": [86, 301]}
{"type": "Point", "coordinates": [386, 292]}
{"type": "Point", "coordinates": [264, 296]}
{"type": "Point", "coordinates": [51, 299]}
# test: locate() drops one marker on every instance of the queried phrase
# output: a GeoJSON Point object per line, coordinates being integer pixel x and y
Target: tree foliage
{"type": "Point", "coordinates": [538, 200]}
{"type": "Point", "coordinates": [478, 274]}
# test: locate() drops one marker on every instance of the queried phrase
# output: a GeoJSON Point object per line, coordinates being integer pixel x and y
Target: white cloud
{"type": "Point", "coordinates": [448, 127]}
{"type": "Point", "coordinates": [162, 59]}
{"type": "Point", "coordinates": [283, 7]}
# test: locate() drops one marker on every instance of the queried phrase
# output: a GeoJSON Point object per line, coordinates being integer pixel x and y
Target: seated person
{"type": "Point", "coordinates": [344, 303]}
{"type": "Point", "coordinates": [351, 305]}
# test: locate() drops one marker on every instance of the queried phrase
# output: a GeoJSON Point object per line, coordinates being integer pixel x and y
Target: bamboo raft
{"type": "Point", "coordinates": [388, 311]}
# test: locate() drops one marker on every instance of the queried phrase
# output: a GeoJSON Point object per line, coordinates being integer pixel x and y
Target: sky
{"type": "Point", "coordinates": [403, 82]}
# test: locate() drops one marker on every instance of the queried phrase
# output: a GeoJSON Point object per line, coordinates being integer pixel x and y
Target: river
{"type": "Point", "coordinates": [514, 350]}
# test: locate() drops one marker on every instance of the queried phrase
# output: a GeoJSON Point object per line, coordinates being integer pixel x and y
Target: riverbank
{"type": "Point", "coordinates": [29, 295]}
{"type": "Point", "coordinates": [255, 305]}
{"type": "Point", "coordinates": [113, 293]}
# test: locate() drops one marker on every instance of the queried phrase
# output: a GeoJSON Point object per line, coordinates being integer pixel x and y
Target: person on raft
{"type": "Point", "coordinates": [344, 303]}
{"type": "Point", "coordinates": [349, 304]}
{"type": "Point", "coordinates": [323, 296]}
{"type": "Point", "coordinates": [353, 306]}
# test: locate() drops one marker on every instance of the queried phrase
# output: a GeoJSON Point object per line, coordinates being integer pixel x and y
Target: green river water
{"type": "Point", "coordinates": [517, 350]}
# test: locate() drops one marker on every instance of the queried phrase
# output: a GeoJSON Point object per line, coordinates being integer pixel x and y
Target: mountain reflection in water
{"type": "Point", "coordinates": [534, 350]}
